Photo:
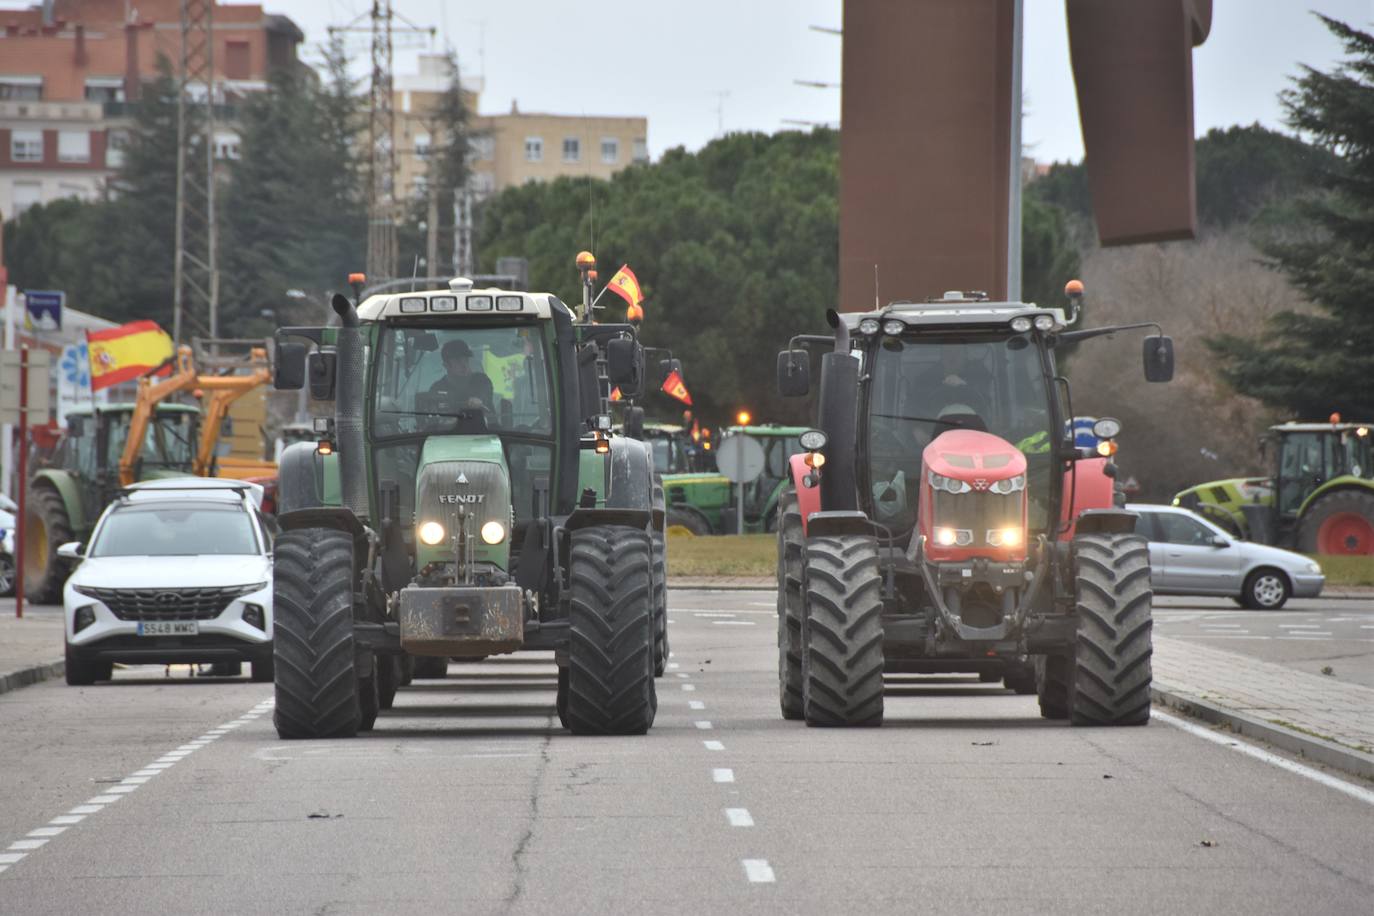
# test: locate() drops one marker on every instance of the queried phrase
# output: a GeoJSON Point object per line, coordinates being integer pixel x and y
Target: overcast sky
{"type": "Point", "coordinates": [693, 67]}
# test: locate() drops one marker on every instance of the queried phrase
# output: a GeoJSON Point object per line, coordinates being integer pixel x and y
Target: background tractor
{"type": "Point", "coordinates": [107, 448]}
{"type": "Point", "coordinates": [941, 518]}
{"type": "Point", "coordinates": [1319, 497]}
{"type": "Point", "coordinates": [443, 515]}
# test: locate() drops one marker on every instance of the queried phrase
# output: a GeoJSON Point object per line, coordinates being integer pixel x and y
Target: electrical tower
{"type": "Point", "coordinates": [196, 265]}
{"type": "Point", "coordinates": [383, 209]}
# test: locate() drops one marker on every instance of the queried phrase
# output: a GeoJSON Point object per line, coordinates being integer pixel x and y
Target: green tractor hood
{"type": "Point", "coordinates": [463, 477]}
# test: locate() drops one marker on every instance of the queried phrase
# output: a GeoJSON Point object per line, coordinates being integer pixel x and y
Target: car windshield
{"type": "Point", "coordinates": [176, 529]}
{"type": "Point", "coordinates": [923, 387]}
{"type": "Point", "coordinates": [433, 380]}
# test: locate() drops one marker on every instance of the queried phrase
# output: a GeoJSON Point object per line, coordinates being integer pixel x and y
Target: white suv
{"type": "Point", "coordinates": [176, 571]}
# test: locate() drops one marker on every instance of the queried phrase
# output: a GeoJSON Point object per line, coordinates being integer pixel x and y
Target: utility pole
{"type": "Point", "coordinates": [464, 260]}
{"type": "Point", "coordinates": [195, 279]}
{"type": "Point", "coordinates": [382, 210]}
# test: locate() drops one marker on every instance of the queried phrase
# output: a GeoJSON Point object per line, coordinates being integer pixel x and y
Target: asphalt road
{"type": "Point", "coordinates": [1316, 635]}
{"type": "Point", "coordinates": [160, 794]}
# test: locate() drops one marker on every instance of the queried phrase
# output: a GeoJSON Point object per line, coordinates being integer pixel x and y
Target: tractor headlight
{"type": "Point", "coordinates": [432, 533]}
{"type": "Point", "coordinates": [952, 537]}
{"type": "Point", "coordinates": [949, 484]}
{"type": "Point", "coordinates": [493, 533]}
{"type": "Point", "coordinates": [1004, 537]}
{"type": "Point", "coordinates": [869, 326]}
{"type": "Point", "coordinates": [1010, 485]}
{"type": "Point", "coordinates": [1043, 322]}
{"type": "Point", "coordinates": [1021, 324]}
{"type": "Point", "coordinates": [894, 327]}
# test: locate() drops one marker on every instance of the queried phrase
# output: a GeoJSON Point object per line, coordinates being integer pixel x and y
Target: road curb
{"type": "Point", "coordinates": [23, 677]}
{"type": "Point", "coordinates": [1343, 758]}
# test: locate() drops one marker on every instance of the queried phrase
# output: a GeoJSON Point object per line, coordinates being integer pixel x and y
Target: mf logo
{"type": "Point", "coordinates": [980, 484]}
{"type": "Point", "coordinates": [468, 498]}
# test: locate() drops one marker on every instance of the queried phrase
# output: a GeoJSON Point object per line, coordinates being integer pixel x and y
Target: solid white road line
{"type": "Point", "coordinates": [739, 817]}
{"type": "Point", "coordinates": [758, 871]}
{"type": "Point", "coordinates": [1283, 763]}
{"type": "Point", "coordinates": [722, 774]}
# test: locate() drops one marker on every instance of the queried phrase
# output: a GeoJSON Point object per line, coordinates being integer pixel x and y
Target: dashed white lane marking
{"type": "Point", "coordinates": [41, 836]}
{"type": "Point", "coordinates": [733, 623]}
{"type": "Point", "coordinates": [1283, 763]}
{"type": "Point", "coordinates": [681, 674]}
{"type": "Point", "coordinates": [1221, 626]}
{"type": "Point", "coordinates": [672, 666]}
{"type": "Point", "coordinates": [695, 704]}
{"type": "Point", "coordinates": [1298, 626]}
{"type": "Point", "coordinates": [1366, 626]}
{"type": "Point", "coordinates": [710, 614]}
{"type": "Point", "coordinates": [722, 774]}
{"type": "Point", "coordinates": [739, 817]}
{"type": "Point", "coordinates": [689, 687]}
{"type": "Point", "coordinates": [702, 724]}
{"type": "Point", "coordinates": [714, 745]}
{"type": "Point", "coordinates": [758, 871]}
{"type": "Point", "coordinates": [1230, 636]}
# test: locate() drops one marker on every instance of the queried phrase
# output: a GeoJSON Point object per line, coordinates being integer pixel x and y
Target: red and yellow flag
{"type": "Point", "coordinates": [127, 352]}
{"type": "Point", "coordinates": [626, 285]}
{"type": "Point", "coordinates": [673, 387]}
{"type": "Point", "coordinates": [615, 393]}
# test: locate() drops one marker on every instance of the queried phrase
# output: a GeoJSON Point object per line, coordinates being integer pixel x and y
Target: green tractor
{"type": "Point", "coordinates": [1319, 499]}
{"type": "Point", "coordinates": [705, 502]}
{"type": "Point", "coordinates": [467, 499]}
{"type": "Point", "coordinates": [71, 489]}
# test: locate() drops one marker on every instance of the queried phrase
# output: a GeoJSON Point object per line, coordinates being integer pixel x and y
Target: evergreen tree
{"type": "Point", "coordinates": [1316, 362]}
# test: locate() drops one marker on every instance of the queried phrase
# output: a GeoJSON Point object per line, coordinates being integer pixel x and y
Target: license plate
{"type": "Point", "coordinates": [168, 628]}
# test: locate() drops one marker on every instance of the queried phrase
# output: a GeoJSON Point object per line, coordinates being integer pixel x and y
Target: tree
{"type": "Point", "coordinates": [1312, 363]}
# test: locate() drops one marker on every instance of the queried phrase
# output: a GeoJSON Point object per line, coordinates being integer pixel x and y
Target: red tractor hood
{"type": "Point", "coordinates": [972, 456]}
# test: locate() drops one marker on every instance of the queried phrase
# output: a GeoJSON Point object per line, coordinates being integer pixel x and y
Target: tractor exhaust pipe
{"type": "Point", "coordinates": [836, 416]}
{"type": "Point", "coordinates": [348, 408]}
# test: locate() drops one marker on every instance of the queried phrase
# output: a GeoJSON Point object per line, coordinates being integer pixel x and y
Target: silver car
{"type": "Point", "coordinates": [1191, 556]}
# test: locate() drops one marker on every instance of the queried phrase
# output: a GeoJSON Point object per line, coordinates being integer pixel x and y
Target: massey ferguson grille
{"type": "Point", "coordinates": [480, 488]}
{"type": "Point", "coordinates": [977, 512]}
{"type": "Point", "coordinates": [166, 604]}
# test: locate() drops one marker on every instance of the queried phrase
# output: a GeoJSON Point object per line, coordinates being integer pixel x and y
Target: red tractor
{"type": "Point", "coordinates": [941, 518]}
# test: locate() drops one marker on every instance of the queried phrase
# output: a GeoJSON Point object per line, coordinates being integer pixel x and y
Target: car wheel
{"type": "Point", "coordinates": [6, 575]}
{"type": "Point", "coordinates": [1265, 590]}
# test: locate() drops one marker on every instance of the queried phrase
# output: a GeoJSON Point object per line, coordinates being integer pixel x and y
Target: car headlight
{"type": "Point", "coordinates": [949, 484]}
{"type": "Point", "coordinates": [1314, 568]}
{"type": "Point", "coordinates": [432, 533]}
{"type": "Point", "coordinates": [1010, 485]}
{"type": "Point", "coordinates": [493, 533]}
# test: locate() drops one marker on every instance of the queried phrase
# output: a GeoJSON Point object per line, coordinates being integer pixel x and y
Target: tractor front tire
{"type": "Point", "coordinates": [1053, 678]}
{"type": "Point", "coordinates": [314, 660]}
{"type": "Point", "coordinates": [1111, 676]}
{"type": "Point", "coordinates": [842, 633]}
{"type": "Point", "coordinates": [388, 680]}
{"type": "Point", "coordinates": [610, 651]}
{"type": "Point", "coordinates": [660, 545]}
{"type": "Point", "coordinates": [1340, 523]}
{"type": "Point", "coordinates": [791, 601]}
{"type": "Point", "coordinates": [48, 528]}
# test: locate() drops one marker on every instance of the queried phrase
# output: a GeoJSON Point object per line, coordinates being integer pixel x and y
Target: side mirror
{"type": "Point", "coordinates": [667, 367]}
{"type": "Point", "coordinates": [634, 422]}
{"type": "Point", "coordinates": [1159, 358]}
{"type": "Point", "coordinates": [289, 372]}
{"type": "Point", "coordinates": [72, 550]}
{"type": "Point", "coordinates": [1219, 541]}
{"type": "Point", "coordinates": [623, 361]}
{"type": "Point", "coordinates": [321, 369]}
{"type": "Point", "coordinates": [794, 373]}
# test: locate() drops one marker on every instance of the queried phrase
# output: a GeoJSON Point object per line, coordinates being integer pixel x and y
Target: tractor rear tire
{"type": "Point", "coordinates": [660, 545]}
{"type": "Point", "coordinates": [369, 668]}
{"type": "Point", "coordinates": [687, 521]}
{"type": "Point", "coordinates": [388, 680]}
{"type": "Point", "coordinates": [791, 602]}
{"type": "Point", "coordinates": [1340, 523]}
{"type": "Point", "coordinates": [610, 651]}
{"type": "Point", "coordinates": [48, 528]}
{"type": "Point", "coordinates": [1111, 676]}
{"type": "Point", "coordinates": [314, 660]}
{"type": "Point", "coordinates": [842, 632]}
{"type": "Point", "coordinates": [561, 703]}
{"type": "Point", "coordinates": [1053, 677]}
{"type": "Point", "coordinates": [407, 662]}
{"type": "Point", "coordinates": [1020, 678]}
{"type": "Point", "coordinates": [431, 667]}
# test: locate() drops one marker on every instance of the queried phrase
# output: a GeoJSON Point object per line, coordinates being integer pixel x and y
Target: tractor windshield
{"type": "Point", "coordinates": [923, 387]}
{"type": "Point", "coordinates": [457, 380]}
{"type": "Point", "coordinates": [168, 442]}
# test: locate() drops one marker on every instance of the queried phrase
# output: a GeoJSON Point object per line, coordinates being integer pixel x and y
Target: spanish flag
{"type": "Point", "coordinates": [674, 387]}
{"type": "Point", "coordinates": [626, 285]}
{"type": "Point", "coordinates": [127, 352]}
{"type": "Point", "coordinates": [615, 394]}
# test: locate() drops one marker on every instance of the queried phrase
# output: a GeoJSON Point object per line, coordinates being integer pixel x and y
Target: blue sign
{"type": "Point", "coordinates": [43, 309]}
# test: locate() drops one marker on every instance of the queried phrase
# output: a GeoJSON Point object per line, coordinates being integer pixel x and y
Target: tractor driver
{"type": "Point", "coordinates": [462, 386]}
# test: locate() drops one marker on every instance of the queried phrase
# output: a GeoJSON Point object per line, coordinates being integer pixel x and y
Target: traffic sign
{"type": "Point", "coordinates": [39, 401]}
{"type": "Point", "coordinates": [43, 309]}
{"type": "Point", "coordinates": [739, 457]}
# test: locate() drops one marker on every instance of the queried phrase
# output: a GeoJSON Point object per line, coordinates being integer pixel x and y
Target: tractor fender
{"type": "Point", "coordinates": [808, 498]}
{"type": "Point", "coordinates": [336, 517]}
{"type": "Point", "coordinates": [65, 485]}
{"type": "Point", "coordinates": [300, 478]}
{"type": "Point", "coordinates": [1105, 521]}
{"type": "Point", "coordinates": [1087, 484]}
{"type": "Point", "coordinates": [631, 476]}
{"type": "Point", "coordinates": [837, 521]}
{"type": "Point", "coordinates": [1344, 482]}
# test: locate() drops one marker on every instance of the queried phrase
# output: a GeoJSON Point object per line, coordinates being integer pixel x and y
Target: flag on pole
{"type": "Point", "coordinates": [127, 352]}
{"type": "Point", "coordinates": [625, 285]}
{"type": "Point", "coordinates": [674, 387]}
{"type": "Point", "coordinates": [615, 393]}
